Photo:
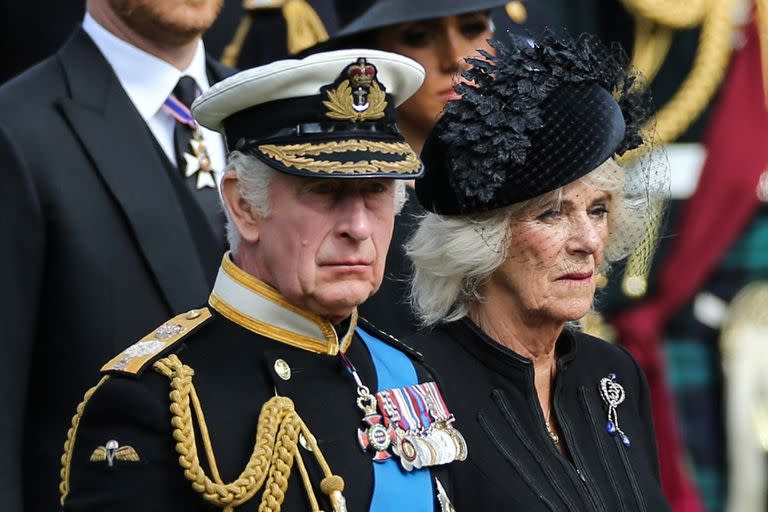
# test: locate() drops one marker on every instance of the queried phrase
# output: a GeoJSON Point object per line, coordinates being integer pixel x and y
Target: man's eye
{"type": "Point", "coordinates": [376, 187]}
{"type": "Point", "coordinates": [322, 188]}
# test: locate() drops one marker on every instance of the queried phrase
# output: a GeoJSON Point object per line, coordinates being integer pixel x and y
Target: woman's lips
{"type": "Point", "coordinates": [576, 276]}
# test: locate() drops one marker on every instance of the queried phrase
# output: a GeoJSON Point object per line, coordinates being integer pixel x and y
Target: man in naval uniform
{"type": "Point", "coordinates": [276, 393]}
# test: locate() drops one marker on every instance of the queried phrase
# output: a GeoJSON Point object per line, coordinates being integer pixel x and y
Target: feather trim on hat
{"type": "Point", "coordinates": [490, 128]}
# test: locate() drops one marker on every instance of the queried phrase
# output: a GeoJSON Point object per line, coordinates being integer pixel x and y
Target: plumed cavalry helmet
{"type": "Point", "coordinates": [531, 119]}
{"type": "Point", "coordinates": [331, 114]}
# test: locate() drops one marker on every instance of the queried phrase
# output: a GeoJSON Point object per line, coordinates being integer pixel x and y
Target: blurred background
{"type": "Point", "coordinates": [697, 319]}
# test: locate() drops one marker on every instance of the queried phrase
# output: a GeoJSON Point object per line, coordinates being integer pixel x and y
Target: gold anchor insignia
{"type": "Point", "coordinates": [113, 451]}
{"type": "Point", "coordinates": [359, 97]}
{"type": "Point", "coordinates": [199, 163]}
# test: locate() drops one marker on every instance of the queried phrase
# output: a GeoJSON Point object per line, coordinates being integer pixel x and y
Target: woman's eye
{"type": "Point", "coordinates": [417, 36]}
{"type": "Point", "coordinates": [474, 28]}
{"type": "Point", "coordinates": [599, 211]}
{"type": "Point", "coordinates": [549, 214]}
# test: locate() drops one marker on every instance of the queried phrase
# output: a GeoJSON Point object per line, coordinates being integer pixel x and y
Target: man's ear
{"type": "Point", "coordinates": [241, 213]}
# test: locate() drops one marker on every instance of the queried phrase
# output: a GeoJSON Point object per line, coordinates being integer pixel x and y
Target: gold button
{"type": "Point", "coordinates": [192, 314]}
{"type": "Point", "coordinates": [282, 369]}
{"type": "Point", "coordinates": [517, 12]}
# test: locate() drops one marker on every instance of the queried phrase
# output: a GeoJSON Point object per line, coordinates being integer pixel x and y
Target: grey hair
{"type": "Point", "coordinates": [254, 177]}
{"type": "Point", "coordinates": [454, 256]}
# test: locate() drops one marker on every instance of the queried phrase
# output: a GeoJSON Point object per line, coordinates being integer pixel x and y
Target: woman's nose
{"type": "Point", "coordinates": [453, 49]}
{"type": "Point", "coordinates": [586, 236]}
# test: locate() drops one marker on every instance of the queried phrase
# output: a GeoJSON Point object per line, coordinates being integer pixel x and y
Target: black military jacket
{"type": "Point", "coordinates": [513, 464]}
{"type": "Point", "coordinates": [236, 369]}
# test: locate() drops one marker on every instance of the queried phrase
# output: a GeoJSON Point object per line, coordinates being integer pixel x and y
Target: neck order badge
{"type": "Point", "coordinates": [197, 163]}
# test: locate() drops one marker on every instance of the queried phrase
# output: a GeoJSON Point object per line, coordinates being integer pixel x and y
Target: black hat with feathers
{"type": "Point", "coordinates": [531, 119]}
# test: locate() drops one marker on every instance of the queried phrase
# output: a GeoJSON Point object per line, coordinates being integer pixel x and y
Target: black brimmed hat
{"type": "Point", "coordinates": [357, 16]}
{"type": "Point", "coordinates": [532, 119]}
{"type": "Point", "coordinates": [329, 115]}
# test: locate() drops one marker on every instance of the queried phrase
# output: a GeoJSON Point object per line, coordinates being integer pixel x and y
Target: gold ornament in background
{"type": "Point", "coordinates": [517, 12]}
{"type": "Point", "coordinates": [762, 28]}
{"type": "Point", "coordinates": [655, 24]}
{"type": "Point", "coordinates": [744, 351]}
{"type": "Point", "coordinates": [303, 26]}
{"type": "Point", "coordinates": [595, 325]}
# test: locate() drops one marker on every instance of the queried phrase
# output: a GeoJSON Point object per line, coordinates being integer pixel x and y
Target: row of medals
{"type": "Point", "coordinates": [439, 444]}
{"type": "Point", "coordinates": [432, 445]}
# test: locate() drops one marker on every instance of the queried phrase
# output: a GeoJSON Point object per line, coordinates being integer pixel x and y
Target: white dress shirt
{"type": "Point", "coordinates": [149, 81]}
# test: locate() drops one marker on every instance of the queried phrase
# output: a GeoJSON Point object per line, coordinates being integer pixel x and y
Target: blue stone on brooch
{"type": "Point", "coordinates": [625, 440]}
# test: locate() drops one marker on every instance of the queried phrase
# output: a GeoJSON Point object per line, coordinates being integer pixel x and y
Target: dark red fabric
{"type": "Point", "coordinates": [720, 209]}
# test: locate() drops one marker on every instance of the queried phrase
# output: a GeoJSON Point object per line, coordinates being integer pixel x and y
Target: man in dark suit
{"type": "Point", "coordinates": [109, 212]}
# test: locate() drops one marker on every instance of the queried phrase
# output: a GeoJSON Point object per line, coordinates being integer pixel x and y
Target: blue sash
{"type": "Point", "coordinates": [393, 487]}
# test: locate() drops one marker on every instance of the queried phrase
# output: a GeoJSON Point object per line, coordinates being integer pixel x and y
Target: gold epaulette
{"type": "Point", "coordinates": [134, 359]}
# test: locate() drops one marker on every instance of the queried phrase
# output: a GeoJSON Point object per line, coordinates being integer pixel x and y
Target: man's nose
{"type": "Point", "coordinates": [354, 218]}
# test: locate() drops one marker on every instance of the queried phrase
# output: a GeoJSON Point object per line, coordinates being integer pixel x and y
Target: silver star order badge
{"type": "Point", "coordinates": [199, 163]}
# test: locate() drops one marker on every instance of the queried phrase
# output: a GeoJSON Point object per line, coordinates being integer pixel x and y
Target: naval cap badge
{"type": "Point", "coordinates": [359, 96]}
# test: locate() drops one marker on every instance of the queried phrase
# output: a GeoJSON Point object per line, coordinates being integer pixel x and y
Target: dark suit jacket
{"type": "Point", "coordinates": [97, 250]}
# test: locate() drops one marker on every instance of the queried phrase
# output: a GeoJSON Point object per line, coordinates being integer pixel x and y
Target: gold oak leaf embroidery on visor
{"type": "Point", "coordinates": [299, 156]}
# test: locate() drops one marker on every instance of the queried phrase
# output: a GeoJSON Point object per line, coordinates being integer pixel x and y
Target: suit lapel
{"type": "Point", "coordinates": [123, 152]}
{"type": "Point", "coordinates": [217, 71]}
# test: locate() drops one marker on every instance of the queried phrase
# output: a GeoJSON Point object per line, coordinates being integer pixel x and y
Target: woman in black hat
{"type": "Point", "coordinates": [528, 206]}
{"type": "Point", "coordinates": [437, 34]}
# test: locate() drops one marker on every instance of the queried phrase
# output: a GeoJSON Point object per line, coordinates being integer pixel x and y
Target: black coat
{"type": "Point", "coordinates": [235, 373]}
{"type": "Point", "coordinates": [97, 249]}
{"type": "Point", "coordinates": [513, 464]}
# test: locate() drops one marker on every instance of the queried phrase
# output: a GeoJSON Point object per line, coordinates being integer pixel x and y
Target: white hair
{"type": "Point", "coordinates": [453, 256]}
{"type": "Point", "coordinates": [254, 177]}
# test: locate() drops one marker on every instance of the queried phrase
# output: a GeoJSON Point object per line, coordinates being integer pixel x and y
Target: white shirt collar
{"type": "Point", "coordinates": [147, 80]}
{"type": "Point", "coordinates": [256, 306]}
